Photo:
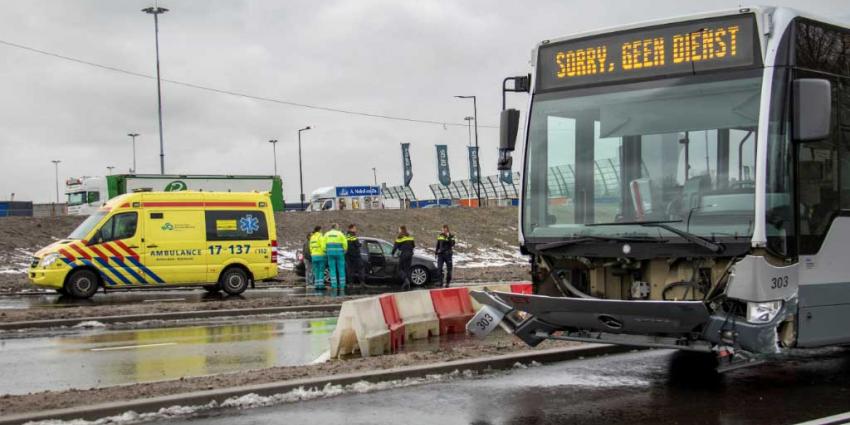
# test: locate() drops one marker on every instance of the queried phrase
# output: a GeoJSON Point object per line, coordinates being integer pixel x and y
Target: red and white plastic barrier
{"type": "Point", "coordinates": [382, 324]}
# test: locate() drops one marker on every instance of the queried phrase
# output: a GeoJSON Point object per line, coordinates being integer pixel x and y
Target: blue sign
{"type": "Point", "coordinates": [342, 191]}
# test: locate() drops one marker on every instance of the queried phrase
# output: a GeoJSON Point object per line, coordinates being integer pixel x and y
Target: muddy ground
{"type": "Point", "coordinates": [496, 344]}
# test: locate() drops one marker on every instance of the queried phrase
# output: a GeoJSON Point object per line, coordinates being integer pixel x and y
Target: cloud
{"type": "Point", "coordinates": [379, 56]}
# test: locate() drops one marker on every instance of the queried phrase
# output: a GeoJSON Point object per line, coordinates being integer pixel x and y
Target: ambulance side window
{"type": "Point", "coordinates": [236, 226]}
{"type": "Point", "coordinates": [119, 226]}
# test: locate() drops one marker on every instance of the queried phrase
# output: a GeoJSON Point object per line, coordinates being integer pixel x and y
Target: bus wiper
{"type": "Point", "coordinates": [595, 238]}
{"type": "Point", "coordinates": [665, 224]}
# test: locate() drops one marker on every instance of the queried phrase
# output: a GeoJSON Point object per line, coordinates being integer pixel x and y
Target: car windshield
{"type": "Point", "coordinates": [87, 225]}
{"type": "Point", "coordinates": [682, 154]}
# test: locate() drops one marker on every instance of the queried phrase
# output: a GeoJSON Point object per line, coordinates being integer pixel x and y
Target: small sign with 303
{"type": "Point", "coordinates": [485, 321]}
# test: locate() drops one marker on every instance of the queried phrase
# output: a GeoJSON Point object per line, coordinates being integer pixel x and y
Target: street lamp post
{"type": "Point", "coordinates": [133, 136]}
{"type": "Point", "coordinates": [274, 153]}
{"type": "Point", "coordinates": [156, 11]}
{"type": "Point", "coordinates": [375, 176]}
{"type": "Point", "coordinates": [300, 169]}
{"type": "Point", "coordinates": [56, 168]}
{"type": "Point", "coordinates": [469, 128]}
{"type": "Point", "coordinates": [110, 168]}
{"type": "Point", "coordinates": [477, 154]}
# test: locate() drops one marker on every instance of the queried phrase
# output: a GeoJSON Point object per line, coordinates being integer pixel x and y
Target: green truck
{"type": "Point", "coordinates": [86, 194]}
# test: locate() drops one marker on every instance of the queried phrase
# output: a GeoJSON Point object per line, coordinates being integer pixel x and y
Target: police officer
{"type": "Point", "coordinates": [353, 260]}
{"type": "Point", "coordinates": [404, 245]}
{"type": "Point", "coordinates": [317, 257]}
{"type": "Point", "coordinates": [445, 245]}
{"type": "Point", "coordinates": [336, 245]}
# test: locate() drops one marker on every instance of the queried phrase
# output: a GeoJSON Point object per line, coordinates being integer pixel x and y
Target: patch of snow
{"type": "Point", "coordinates": [323, 358]}
{"type": "Point", "coordinates": [249, 401]}
{"type": "Point", "coordinates": [89, 324]}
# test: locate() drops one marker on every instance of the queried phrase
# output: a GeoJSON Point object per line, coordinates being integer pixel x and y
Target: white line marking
{"type": "Point", "coordinates": [133, 347]}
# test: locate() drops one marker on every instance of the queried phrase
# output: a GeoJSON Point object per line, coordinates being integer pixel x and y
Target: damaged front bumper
{"type": "Point", "coordinates": [687, 325]}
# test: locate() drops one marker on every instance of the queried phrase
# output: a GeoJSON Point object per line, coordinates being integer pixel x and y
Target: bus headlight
{"type": "Point", "coordinates": [763, 312]}
{"type": "Point", "coordinates": [49, 259]}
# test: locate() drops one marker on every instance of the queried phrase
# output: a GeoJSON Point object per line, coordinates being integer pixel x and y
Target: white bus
{"type": "Point", "coordinates": [686, 184]}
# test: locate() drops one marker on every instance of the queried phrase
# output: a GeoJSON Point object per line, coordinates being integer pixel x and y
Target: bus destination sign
{"type": "Point", "coordinates": [669, 50]}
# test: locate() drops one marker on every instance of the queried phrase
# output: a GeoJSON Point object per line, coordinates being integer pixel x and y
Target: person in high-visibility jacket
{"type": "Point", "coordinates": [335, 246]}
{"type": "Point", "coordinates": [317, 257]}
{"type": "Point", "coordinates": [404, 245]}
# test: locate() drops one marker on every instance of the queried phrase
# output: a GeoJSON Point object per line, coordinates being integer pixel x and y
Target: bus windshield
{"type": "Point", "coordinates": [681, 154]}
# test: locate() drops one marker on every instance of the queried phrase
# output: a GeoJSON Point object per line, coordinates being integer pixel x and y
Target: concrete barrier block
{"type": "Point", "coordinates": [417, 312]}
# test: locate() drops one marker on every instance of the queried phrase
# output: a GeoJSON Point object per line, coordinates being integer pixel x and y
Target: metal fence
{"type": "Point", "coordinates": [398, 192]}
{"type": "Point", "coordinates": [491, 188]}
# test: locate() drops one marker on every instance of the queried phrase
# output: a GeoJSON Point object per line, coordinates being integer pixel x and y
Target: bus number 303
{"type": "Point", "coordinates": [234, 249]}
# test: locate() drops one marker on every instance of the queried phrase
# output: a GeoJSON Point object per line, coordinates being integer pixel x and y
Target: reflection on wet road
{"type": "Point", "coordinates": [50, 300]}
{"type": "Point", "coordinates": [652, 387]}
{"type": "Point", "coordinates": [101, 358]}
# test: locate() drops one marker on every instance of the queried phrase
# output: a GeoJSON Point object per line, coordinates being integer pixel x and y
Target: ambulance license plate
{"type": "Point", "coordinates": [485, 321]}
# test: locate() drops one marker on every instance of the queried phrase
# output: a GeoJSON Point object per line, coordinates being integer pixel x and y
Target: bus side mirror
{"type": "Point", "coordinates": [508, 129]}
{"type": "Point", "coordinates": [812, 101]}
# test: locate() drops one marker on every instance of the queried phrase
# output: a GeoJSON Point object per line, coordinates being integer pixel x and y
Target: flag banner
{"type": "Point", "coordinates": [443, 173]}
{"type": "Point", "coordinates": [407, 167]}
{"type": "Point", "coordinates": [506, 176]}
{"type": "Point", "coordinates": [474, 172]}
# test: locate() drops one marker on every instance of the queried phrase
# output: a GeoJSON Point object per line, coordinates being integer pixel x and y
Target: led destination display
{"type": "Point", "coordinates": [681, 48]}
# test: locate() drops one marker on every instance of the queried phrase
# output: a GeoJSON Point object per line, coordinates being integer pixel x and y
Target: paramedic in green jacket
{"type": "Point", "coordinates": [317, 257]}
{"type": "Point", "coordinates": [335, 246]}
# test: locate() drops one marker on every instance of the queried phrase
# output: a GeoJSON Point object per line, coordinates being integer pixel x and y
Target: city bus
{"type": "Point", "coordinates": [685, 184]}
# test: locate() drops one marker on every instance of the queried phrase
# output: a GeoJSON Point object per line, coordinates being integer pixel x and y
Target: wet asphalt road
{"type": "Point", "coordinates": [94, 358]}
{"type": "Point", "coordinates": [651, 387]}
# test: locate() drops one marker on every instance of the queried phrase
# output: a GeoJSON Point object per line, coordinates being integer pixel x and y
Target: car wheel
{"type": "Point", "coordinates": [82, 284]}
{"type": "Point", "coordinates": [419, 276]}
{"type": "Point", "coordinates": [234, 281]}
{"type": "Point", "coordinates": [212, 288]}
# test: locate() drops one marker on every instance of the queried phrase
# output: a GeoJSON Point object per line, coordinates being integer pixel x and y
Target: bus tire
{"type": "Point", "coordinates": [213, 289]}
{"type": "Point", "coordinates": [82, 284]}
{"type": "Point", "coordinates": [234, 281]}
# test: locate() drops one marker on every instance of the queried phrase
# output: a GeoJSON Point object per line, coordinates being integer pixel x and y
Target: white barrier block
{"type": "Point", "coordinates": [417, 312]}
{"type": "Point", "coordinates": [501, 287]}
{"type": "Point", "coordinates": [360, 326]}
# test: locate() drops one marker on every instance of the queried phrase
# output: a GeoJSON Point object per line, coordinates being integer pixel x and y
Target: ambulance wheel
{"type": "Point", "coordinates": [82, 284]}
{"type": "Point", "coordinates": [213, 289]}
{"type": "Point", "coordinates": [234, 281]}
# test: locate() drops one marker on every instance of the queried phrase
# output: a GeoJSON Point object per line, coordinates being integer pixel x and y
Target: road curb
{"type": "Point", "coordinates": [176, 315]}
{"type": "Point", "coordinates": [219, 395]}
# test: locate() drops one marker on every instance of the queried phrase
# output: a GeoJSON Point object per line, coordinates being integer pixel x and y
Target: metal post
{"type": "Point", "coordinates": [110, 168]}
{"type": "Point", "coordinates": [274, 153]}
{"type": "Point", "coordinates": [56, 168]}
{"type": "Point", "coordinates": [300, 169]}
{"type": "Point", "coordinates": [155, 11]}
{"type": "Point", "coordinates": [375, 175]}
{"type": "Point", "coordinates": [477, 154]}
{"type": "Point", "coordinates": [133, 136]}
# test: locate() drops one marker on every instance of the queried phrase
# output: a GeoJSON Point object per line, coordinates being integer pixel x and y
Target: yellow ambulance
{"type": "Point", "coordinates": [222, 241]}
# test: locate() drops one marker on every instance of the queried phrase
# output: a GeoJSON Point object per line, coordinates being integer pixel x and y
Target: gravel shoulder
{"type": "Point", "coordinates": [17, 315]}
{"type": "Point", "coordinates": [458, 349]}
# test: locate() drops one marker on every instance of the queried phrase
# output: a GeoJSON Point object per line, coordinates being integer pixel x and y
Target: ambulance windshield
{"type": "Point", "coordinates": [86, 226]}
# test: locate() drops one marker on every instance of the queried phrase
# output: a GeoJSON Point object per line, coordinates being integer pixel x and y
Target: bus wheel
{"type": "Point", "coordinates": [234, 281]}
{"type": "Point", "coordinates": [213, 289]}
{"type": "Point", "coordinates": [82, 284]}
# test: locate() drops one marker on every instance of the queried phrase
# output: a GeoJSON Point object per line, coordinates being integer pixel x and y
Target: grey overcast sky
{"type": "Point", "coordinates": [401, 58]}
